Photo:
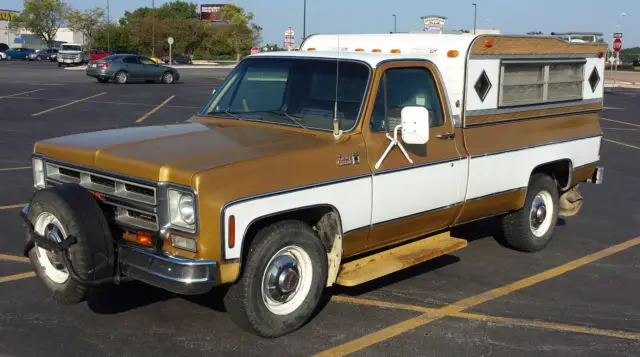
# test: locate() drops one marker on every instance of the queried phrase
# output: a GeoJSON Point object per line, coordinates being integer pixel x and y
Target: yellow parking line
{"type": "Point", "coordinates": [155, 109]}
{"type": "Point", "coordinates": [623, 144]}
{"type": "Point", "coordinates": [549, 325]}
{"type": "Point", "coordinates": [619, 122]}
{"type": "Point", "coordinates": [490, 318]}
{"type": "Point", "coordinates": [15, 168]}
{"type": "Point", "coordinates": [456, 307]}
{"type": "Point", "coordinates": [613, 108]}
{"type": "Point", "coordinates": [17, 94]}
{"type": "Point", "coordinates": [13, 258]}
{"type": "Point", "coordinates": [12, 206]}
{"type": "Point", "coordinates": [623, 129]}
{"type": "Point", "coordinates": [66, 105]}
{"type": "Point", "coordinates": [8, 278]}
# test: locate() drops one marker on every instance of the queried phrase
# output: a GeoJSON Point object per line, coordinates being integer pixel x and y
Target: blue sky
{"type": "Point", "coordinates": [353, 16]}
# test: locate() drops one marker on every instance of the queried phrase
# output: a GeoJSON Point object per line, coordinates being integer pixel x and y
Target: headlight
{"type": "Point", "coordinates": [182, 209]}
{"type": "Point", "coordinates": [38, 172]}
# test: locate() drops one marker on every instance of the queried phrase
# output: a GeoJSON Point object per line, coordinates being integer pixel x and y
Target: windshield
{"type": "Point", "coordinates": [293, 91]}
{"type": "Point", "coordinates": [71, 48]}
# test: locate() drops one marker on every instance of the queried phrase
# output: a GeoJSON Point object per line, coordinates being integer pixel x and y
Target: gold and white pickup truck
{"type": "Point", "coordinates": [336, 164]}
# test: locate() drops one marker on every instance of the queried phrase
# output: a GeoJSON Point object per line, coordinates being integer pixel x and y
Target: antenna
{"type": "Point", "coordinates": [337, 133]}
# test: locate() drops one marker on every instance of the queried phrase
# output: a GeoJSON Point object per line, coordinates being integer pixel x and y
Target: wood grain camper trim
{"type": "Point", "coordinates": [527, 45]}
{"type": "Point", "coordinates": [521, 113]}
{"type": "Point", "coordinates": [536, 57]}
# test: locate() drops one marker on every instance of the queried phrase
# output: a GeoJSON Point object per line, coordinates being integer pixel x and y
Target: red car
{"type": "Point", "coordinates": [98, 55]}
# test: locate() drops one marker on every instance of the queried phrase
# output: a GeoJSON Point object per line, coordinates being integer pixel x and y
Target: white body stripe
{"type": "Point", "coordinates": [501, 172]}
{"type": "Point", "coordinates": [352, 199]}
{"type": "Point", "coordinates": [475, 68]}
{"type": "Point", "coordinates": [408, 192]}
{"type": "Point", "coordinates": [598, 64]}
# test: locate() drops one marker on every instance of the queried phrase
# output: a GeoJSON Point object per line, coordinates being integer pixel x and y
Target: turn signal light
{"type": "Point", "coordinates": [144, 238]}
{"type": "Point", "coordinates": [488, 43]}
{"type": "Point", "coordinates": [452, 53]}
{"type": "Point", "coordinates": [359, 49]}
{"type": "Point", "coordinates": [103, 65]}
{"type": "Point", "coordinates": [232, 231]}
{"type": "Point", "coordinates": [311, 49]}
{"type": "Point", "coordinates": [395, 51]}
{"type": "Point", "coordinates": [376, 50]}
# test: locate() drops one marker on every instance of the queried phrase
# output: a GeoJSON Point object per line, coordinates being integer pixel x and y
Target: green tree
{"type": "Point", "coordinates": [41, 17]}
{"type": "Point", "coordinates": [115, 35]}
{"type": "Point", "coordinates": [241, 34]}
{"type": "Point", "coordinates": [85, 22]}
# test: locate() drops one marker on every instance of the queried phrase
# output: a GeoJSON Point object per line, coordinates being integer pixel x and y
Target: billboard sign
{"type": "Point", "coordinates": [434, 23]}
{"type": "Point", "coordinates": [8, 15]}
{"type": "Point", "coordinates": [211, 12]}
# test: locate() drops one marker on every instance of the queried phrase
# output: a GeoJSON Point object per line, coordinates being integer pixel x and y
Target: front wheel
{"type": "Point", "coordinates": [530, 229]}
{"type": "Point", "coordinates": [282, 282]}
{"type": "Point", "coordinates": [167, 77]}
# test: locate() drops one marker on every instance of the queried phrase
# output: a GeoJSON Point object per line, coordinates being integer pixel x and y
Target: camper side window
{"type": "Point", "coordinates": [537, 83]}
{"type": "Point", "coordinates": [401, 87]}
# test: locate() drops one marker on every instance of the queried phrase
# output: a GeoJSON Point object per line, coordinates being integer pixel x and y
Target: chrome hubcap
{"type": "Point", "coordinates": [282, 278]}
{"type": "Point", "coordinates": [539, 218]}
{"type": "Point", "coordinates": [48, 226]}
{"type": "Point", "coordinates": [287, 280]}
{"type": "Point", "coordinates": [168, 77]}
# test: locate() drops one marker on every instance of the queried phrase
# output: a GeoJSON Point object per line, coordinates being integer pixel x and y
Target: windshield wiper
{"type": "Point", "coordinates": [288, 116]}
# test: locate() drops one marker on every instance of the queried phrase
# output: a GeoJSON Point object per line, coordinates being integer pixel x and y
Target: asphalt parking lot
{"type": "Point", "coordinates": [579, 297]}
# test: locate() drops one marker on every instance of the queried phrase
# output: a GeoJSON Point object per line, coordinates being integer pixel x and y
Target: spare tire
{"type": "Point", "coordinates": [64, 211]}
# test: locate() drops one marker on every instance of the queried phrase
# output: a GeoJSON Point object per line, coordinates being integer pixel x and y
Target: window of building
{"type": "Point", "coordinates": [524, 83]}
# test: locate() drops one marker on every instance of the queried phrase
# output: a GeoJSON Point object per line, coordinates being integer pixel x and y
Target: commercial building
{"type": "Point", "coordinates": [26, 39]}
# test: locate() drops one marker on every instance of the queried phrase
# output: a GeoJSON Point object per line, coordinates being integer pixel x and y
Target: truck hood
{"type": "Point", "coordinates": [172, 153]}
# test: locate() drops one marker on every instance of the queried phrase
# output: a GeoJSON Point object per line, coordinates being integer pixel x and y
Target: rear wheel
{"type": "Point", "coordinates": [57, 213]}
{"type": "Point", "coordinates": [530, 229]}
{"type": "Point", "coordinates": [282, 281]}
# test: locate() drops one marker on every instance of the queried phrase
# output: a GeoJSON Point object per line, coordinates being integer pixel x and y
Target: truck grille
{"type": "Point", "coordinates": [134, 204]}
{"type": "Point", "coordinates": [68, 56]}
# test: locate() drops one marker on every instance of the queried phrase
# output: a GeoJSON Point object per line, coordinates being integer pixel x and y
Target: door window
{"type": "Point", "coordinates": [130, 59]}
{"type": "Point", "coordinates": [145, 60]}
{"type": "Point", "coordinates": [401, 87]}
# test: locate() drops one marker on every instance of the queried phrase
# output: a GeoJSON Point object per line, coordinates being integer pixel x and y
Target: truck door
{"type": "Point", "coordinates": [412, 199]}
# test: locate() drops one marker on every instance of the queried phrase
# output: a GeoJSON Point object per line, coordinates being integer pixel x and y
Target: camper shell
{"type": "Point", "coordinates": [337, 164]}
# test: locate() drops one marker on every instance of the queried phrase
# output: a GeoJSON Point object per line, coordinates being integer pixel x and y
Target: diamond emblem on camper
{"type": "Point", "coordinates": [594, 79]}
{"type": "Point", "coordinates": [482, 86]}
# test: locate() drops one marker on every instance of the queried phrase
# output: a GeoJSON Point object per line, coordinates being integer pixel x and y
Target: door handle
{"type": "Point", "coordinates": [446, 136]}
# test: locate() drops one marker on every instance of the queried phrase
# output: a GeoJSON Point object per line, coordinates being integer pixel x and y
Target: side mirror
{"type": "Point", "coordinates": [415, 125]}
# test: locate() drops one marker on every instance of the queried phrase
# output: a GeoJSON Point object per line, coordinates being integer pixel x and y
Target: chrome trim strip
{"type": "Point", "coordinates": [496, 194]}
{"type": "Point", "coordinates": [544, 116]}
{"type": "Point", "coordinates": [541, 57]}
{"type": "Point", "coordinates": [433, 210]}
{"type": "Point", "coordinates": [530, 107]}
{"type": "Point", "coordinates": [535, 146]}
{"type": "Point", "coordinates": [418, 166]}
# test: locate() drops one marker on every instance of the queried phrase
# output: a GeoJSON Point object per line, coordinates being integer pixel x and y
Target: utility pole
{"type": "Point", "coordinates": [475, 16]}
{"type": "Point", "coordinates": [153, 29]}
{"type": "Point", "coordinates": [304, 20]}
{"type": "Point", "coordinates": [108, 27]}
{"type": "Point", "coordinates": [394, 22]}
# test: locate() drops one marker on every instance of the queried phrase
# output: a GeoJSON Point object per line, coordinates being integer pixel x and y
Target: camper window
{"type": "Point", "coordinates": [524, 83]}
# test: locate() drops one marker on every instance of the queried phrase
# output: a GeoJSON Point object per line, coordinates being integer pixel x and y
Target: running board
{"type": "Point", "coordinates": [392, 260]}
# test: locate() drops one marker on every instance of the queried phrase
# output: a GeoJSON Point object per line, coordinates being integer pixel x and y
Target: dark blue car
{"type": "Point", "coordinates": [15, 53]}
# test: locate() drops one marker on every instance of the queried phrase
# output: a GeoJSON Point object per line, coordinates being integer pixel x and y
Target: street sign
{"type": "Point", "coordinates": [254, 50]}
{"type": "Point", "coordinates": [617, 45]}
{"type": "Point", "coordinates": [617, 35]}
{"type": "Point", "coordinates": [170, 40]}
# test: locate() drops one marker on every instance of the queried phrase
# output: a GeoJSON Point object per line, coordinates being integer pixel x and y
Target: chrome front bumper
{"type": "Point", "coordinates": [181, 276]}
{"type": "Point", "coordinates": [598, 176]}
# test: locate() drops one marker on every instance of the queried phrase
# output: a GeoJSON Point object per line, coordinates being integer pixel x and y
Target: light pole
{"type": "Point", "coordinates": [394, 22]}
{"type": "Point", "coordinates": [108, 27]}
{"type": "Point", "coordinates": [153, 29]}
{"type": "Point", "coordinates": [304, 20]}
{"type": "Point", "coordinates": [475, 16]}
